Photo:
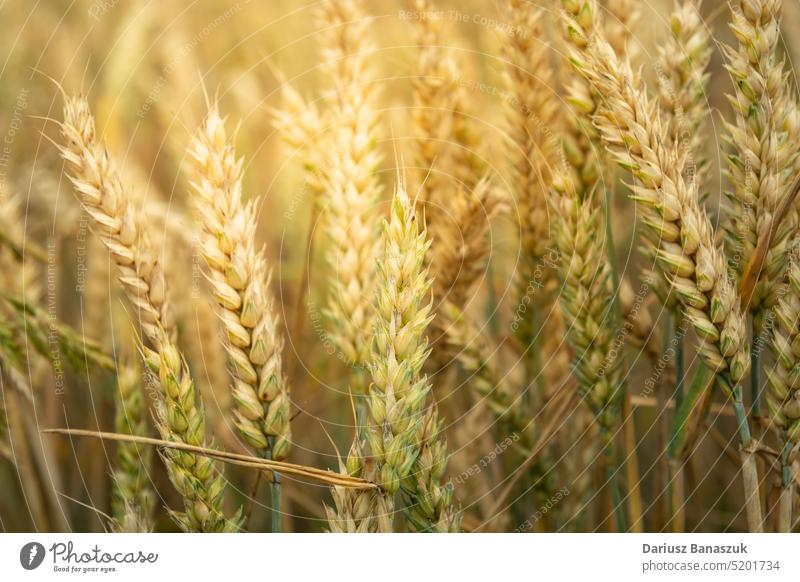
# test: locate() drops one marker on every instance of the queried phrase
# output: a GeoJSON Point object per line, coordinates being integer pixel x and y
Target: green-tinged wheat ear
{"type": "Point", "coordinates": [181, 418]}
{"type": "Point", "coordinates": [406, 440]}
{"type": "Point", "coordinates": [586, 300]}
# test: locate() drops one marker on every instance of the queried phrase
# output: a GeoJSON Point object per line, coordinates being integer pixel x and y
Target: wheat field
{"type": "Point", "coordinates": [399, 266]}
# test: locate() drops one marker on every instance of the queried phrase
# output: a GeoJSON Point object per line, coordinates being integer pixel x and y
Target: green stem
{"type": "Point", "coordinates": [679, 365]}
{"type": "Point", "coordinates": [755, 373]}
{"type": "Point", "coordinates": [275, 494]}
{"type": "Point", "coordinates": [750, 477]}
{"type": "Point", "coordinates": [613, 482]}
{"type": "Point", "coordinates": [276, 503]}
{"type": "Point", "coordinates": [612, 256]}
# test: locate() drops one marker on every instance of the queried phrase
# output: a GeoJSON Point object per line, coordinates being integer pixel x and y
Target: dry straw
{"type": "Point", "coordinates": [238, 277]}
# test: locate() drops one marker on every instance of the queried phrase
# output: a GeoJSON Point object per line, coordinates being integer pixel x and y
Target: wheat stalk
{"type": "Point", "coordinates": [104, 197]}
{"type": "Point", "coordinates": [238, 277]}
{"type": "Point", "coordinates": [759, 159]}
{"type": "Point", "coordinates": [132, 498]}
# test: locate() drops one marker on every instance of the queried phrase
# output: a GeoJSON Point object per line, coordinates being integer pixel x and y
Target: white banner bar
{"type": "Point", "coordinates": [400, 557]}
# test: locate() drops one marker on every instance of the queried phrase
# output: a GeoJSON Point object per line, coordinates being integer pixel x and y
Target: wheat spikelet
{"type": "Point", "coordinates": [239, 280]}
{"type": "Point", "coordinates": [181, 419]}
{"type": "Point", "coordinates": [132, 498]}
{"type": "Point", "coordinates": [759, 158]}
{"type": "Point", "coordinates": [357, 511]}
{"type": "Point", "coordinates": [679, 229]}
{"type": "Point", "coordinates": [103, 195]}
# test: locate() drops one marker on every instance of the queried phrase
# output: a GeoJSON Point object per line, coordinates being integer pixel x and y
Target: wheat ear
{"type": "Point", "coordinates": [181, 418]}
{"type": "Point", "coordinates": [680, 230]}
{"type": "Point", "coordinates": [532, 121]}
{"type": "Point", "coordinates": [783, 396]}
{"type": "Point", "coordinates": [683, 78]}
{"type": "Point", "coordinates": [239, 281]}
{"type": "Point", "coordinates": [132, 498]}
{"type": "Point", "coordinates": [579, 18]}
{"type": "Point", "coordinates": [586, 302]}
{"type": "Point", "coordinates": [759, 157]}
{"type": "Point", "coordinates": [102, 193]}
{"type": "Point", "coordinates": [406, 440]}
{"type": "Point", "coordinates": [350, 181]}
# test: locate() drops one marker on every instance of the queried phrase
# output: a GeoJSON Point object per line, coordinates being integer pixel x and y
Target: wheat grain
{"type": "Point", "coordinates": [238, 278]}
